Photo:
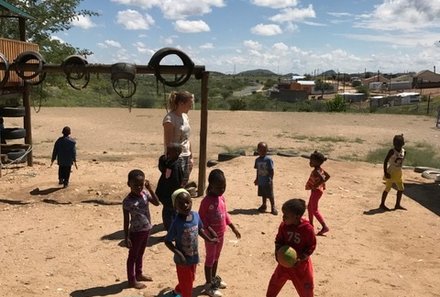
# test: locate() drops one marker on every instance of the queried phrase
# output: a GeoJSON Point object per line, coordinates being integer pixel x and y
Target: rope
{"type": "Point", "coordinates": [16, 161]}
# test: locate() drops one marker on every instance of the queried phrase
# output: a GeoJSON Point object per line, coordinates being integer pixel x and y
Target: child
{"type": "Point", "coordinates": [392, 169]}
{"type": "Point", "coordinates": [297, 233]}
{"type": "Point", "coordinates": [184, 231]}
{"type": "Point", "coordinates": [264, 179]}
{"type": "Point", "coordinates": [215, 219]}
{"type": "Point", "coordinates": [316, 183]}
{"type": "Point", "coordinates": [170, 180]}
{"type": "Point", "coordinates": [64, 151]}
{"type": "Point", "coordinates": [137, 214]}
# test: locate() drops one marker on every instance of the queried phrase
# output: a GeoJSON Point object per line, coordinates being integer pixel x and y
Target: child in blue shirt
{"type": "Point", "coordinates": [264, 179]}
{"type": "Point", "coordinates": [184, 232]}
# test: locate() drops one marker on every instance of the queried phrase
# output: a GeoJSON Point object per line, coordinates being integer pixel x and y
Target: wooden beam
{"type": "Point", "coordinates": [203, 134]}
{"type": "Point", "coordinates": [106, 68]}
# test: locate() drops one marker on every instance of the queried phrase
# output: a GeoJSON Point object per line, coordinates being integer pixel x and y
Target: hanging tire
{"type": "Point", "coordinates": [162, 53]}
{"type": "Point", "coordinates": [15, 154]}
{"type": "Point", "coordinates": [12, 112]}
{"type": "Point", "coordinates": [13, 133]}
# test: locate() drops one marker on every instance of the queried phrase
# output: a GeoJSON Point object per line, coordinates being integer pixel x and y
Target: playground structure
{"type": "Point", "coordinates": [28, 68]}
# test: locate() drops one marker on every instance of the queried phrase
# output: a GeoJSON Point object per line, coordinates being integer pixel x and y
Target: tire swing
{"type": "Point", "coordinates": [75, 69]}
{"type": "Point", "coordinates": [22, 59]}
{"type": "Point", "coordinates": [5, 78]}
{"type": "Point", "coordinates": [122, 76]}
{"type": "Point", "coordinates": [162, 53]}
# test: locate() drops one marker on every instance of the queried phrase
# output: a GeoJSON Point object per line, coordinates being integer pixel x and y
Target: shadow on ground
{"type": "Point", "coordinates": [250, 212]}
{"type": "Point", "coordinates": [426, 194]}
{"type": "Point", "coordinates": [13, 202]}
{"type": "Point", "coordinates": [152, 240]}
{"type": "Point", "coordinates": [38, 191]}
{"type": "Point", "coordinates": [100, 291]}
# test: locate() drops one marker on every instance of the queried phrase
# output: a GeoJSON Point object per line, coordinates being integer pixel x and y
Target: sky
{"type": "Point", "coordinates": [284, 36]}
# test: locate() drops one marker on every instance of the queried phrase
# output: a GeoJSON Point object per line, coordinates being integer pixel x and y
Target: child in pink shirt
{"type": "Point", "coordinates": [215, 218]}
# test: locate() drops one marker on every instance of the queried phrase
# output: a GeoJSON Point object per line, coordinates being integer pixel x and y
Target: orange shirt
{"type": "Point", "coordinates": [315, 179]}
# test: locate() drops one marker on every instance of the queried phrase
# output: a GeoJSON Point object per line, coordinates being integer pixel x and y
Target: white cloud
{"type": "Point", "coordinates": [339, 14]}
{"type": "Point", "coordinates": [280, 47]}
{"type": "Point", "coordinates": [255, 45]}
{"type": "Point", "coordinates": [83, 22]}
{"type": "Point", "coordinates": [403, 15]}
{"type": "Point", "coordinates": [294, 15]}
{"type": "Point", "coordinates": [176, 9]}
{"type": "Point", "coordinates": [142, 48]}
{"type": "Point", "coordinates": [133, 20]}
{"type": "Point", "coordinates": [207, 45]}
{"type": "Point", "coordinates": [53, 37]}
{"type": "Point", "coordinates": [275, 3]}
{"type": "Point", "coordinates": [419, 40]}
{"type": "Point", "coordinates": [184, 26]}
{"type": "Point", "coordinates": [112, 43]}
{"type": "Point", "coordinates": [266, 30]}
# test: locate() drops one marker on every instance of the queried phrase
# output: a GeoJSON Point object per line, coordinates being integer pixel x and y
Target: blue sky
{"type": "Point", "coordinates": [283, 36]}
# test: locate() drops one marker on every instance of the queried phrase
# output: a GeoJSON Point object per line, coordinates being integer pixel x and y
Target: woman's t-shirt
{"type": "Point", "coordinates": [182, 131]}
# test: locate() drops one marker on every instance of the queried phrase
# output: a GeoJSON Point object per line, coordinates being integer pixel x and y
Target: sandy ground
{"type": "Point", "coordinates": [67, 242]}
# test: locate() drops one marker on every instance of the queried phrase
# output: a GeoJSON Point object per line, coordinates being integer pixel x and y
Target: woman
{"type": "Point", "coordinates": [177, 129]}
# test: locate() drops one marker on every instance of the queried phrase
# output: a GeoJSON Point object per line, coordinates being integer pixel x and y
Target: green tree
{"type": "Point", "coordinates": [49, 17]}
{"type": "Point", "coordinates": [322, 86]}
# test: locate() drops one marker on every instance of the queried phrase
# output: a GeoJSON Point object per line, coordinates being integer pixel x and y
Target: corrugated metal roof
{"type": "Point", "coordinates": [15, 10]}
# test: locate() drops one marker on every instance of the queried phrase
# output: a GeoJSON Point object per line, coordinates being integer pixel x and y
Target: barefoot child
{"type": "Point", "coordinates": [184, 232]}
{"type": "Point", "coordinates": [215, 218]}
{"type": "Point", "coordinates": [137, 216]}
{"type": "Point", "coordinates": [297, 233]}
{"type": "Point", "coordinates": [264, 179]}
{"type": "Point", "coordinates": [392, 169]}
{"type": "Point", "coordinates": [316, 183]}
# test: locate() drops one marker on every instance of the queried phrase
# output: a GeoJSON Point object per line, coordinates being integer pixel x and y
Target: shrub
{"type": "Point", "coordinates": [337, 104]}
{"type": "Point", "coordinates": [237, 104]}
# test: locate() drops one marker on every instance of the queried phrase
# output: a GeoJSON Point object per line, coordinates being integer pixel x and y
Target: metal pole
{"type": "Point", "coordinates": [27, 121]}
{"type": "Point", "coordinates": [203, 133]}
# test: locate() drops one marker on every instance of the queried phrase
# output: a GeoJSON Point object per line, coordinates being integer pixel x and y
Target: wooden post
{"type": "Point", "coordinates": [27, 121]}
{"type": "Point", "coordinates": [203, 134]}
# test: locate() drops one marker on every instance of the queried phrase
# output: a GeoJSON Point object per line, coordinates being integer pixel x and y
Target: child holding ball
{"type": "Point", "coordinates": [298, 233]}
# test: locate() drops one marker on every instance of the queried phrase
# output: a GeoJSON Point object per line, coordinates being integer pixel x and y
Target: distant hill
{"type": "Point", "coordinates": [329, 73]}
{"type": "Point", "coordinates": [257, 72]}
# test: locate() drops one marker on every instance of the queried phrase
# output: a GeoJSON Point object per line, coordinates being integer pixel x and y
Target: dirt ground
{"type": "Point", "coordinates": [67, 242]}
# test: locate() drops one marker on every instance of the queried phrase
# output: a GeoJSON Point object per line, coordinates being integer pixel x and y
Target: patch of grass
{"type": "Point", "coordinates": [350, 158]}
{"type": "Point", "coordinates": [329, 139]}
{"type": "Point", "coordinates": [419, 154]}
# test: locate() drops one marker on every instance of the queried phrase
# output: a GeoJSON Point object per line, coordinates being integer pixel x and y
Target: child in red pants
{"type": "Point", "coordinates": [316, 183]}
{"type": "Point", "coordinates": [184, 232]}
{"type": "Point", "coordinates": [297, 233]}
